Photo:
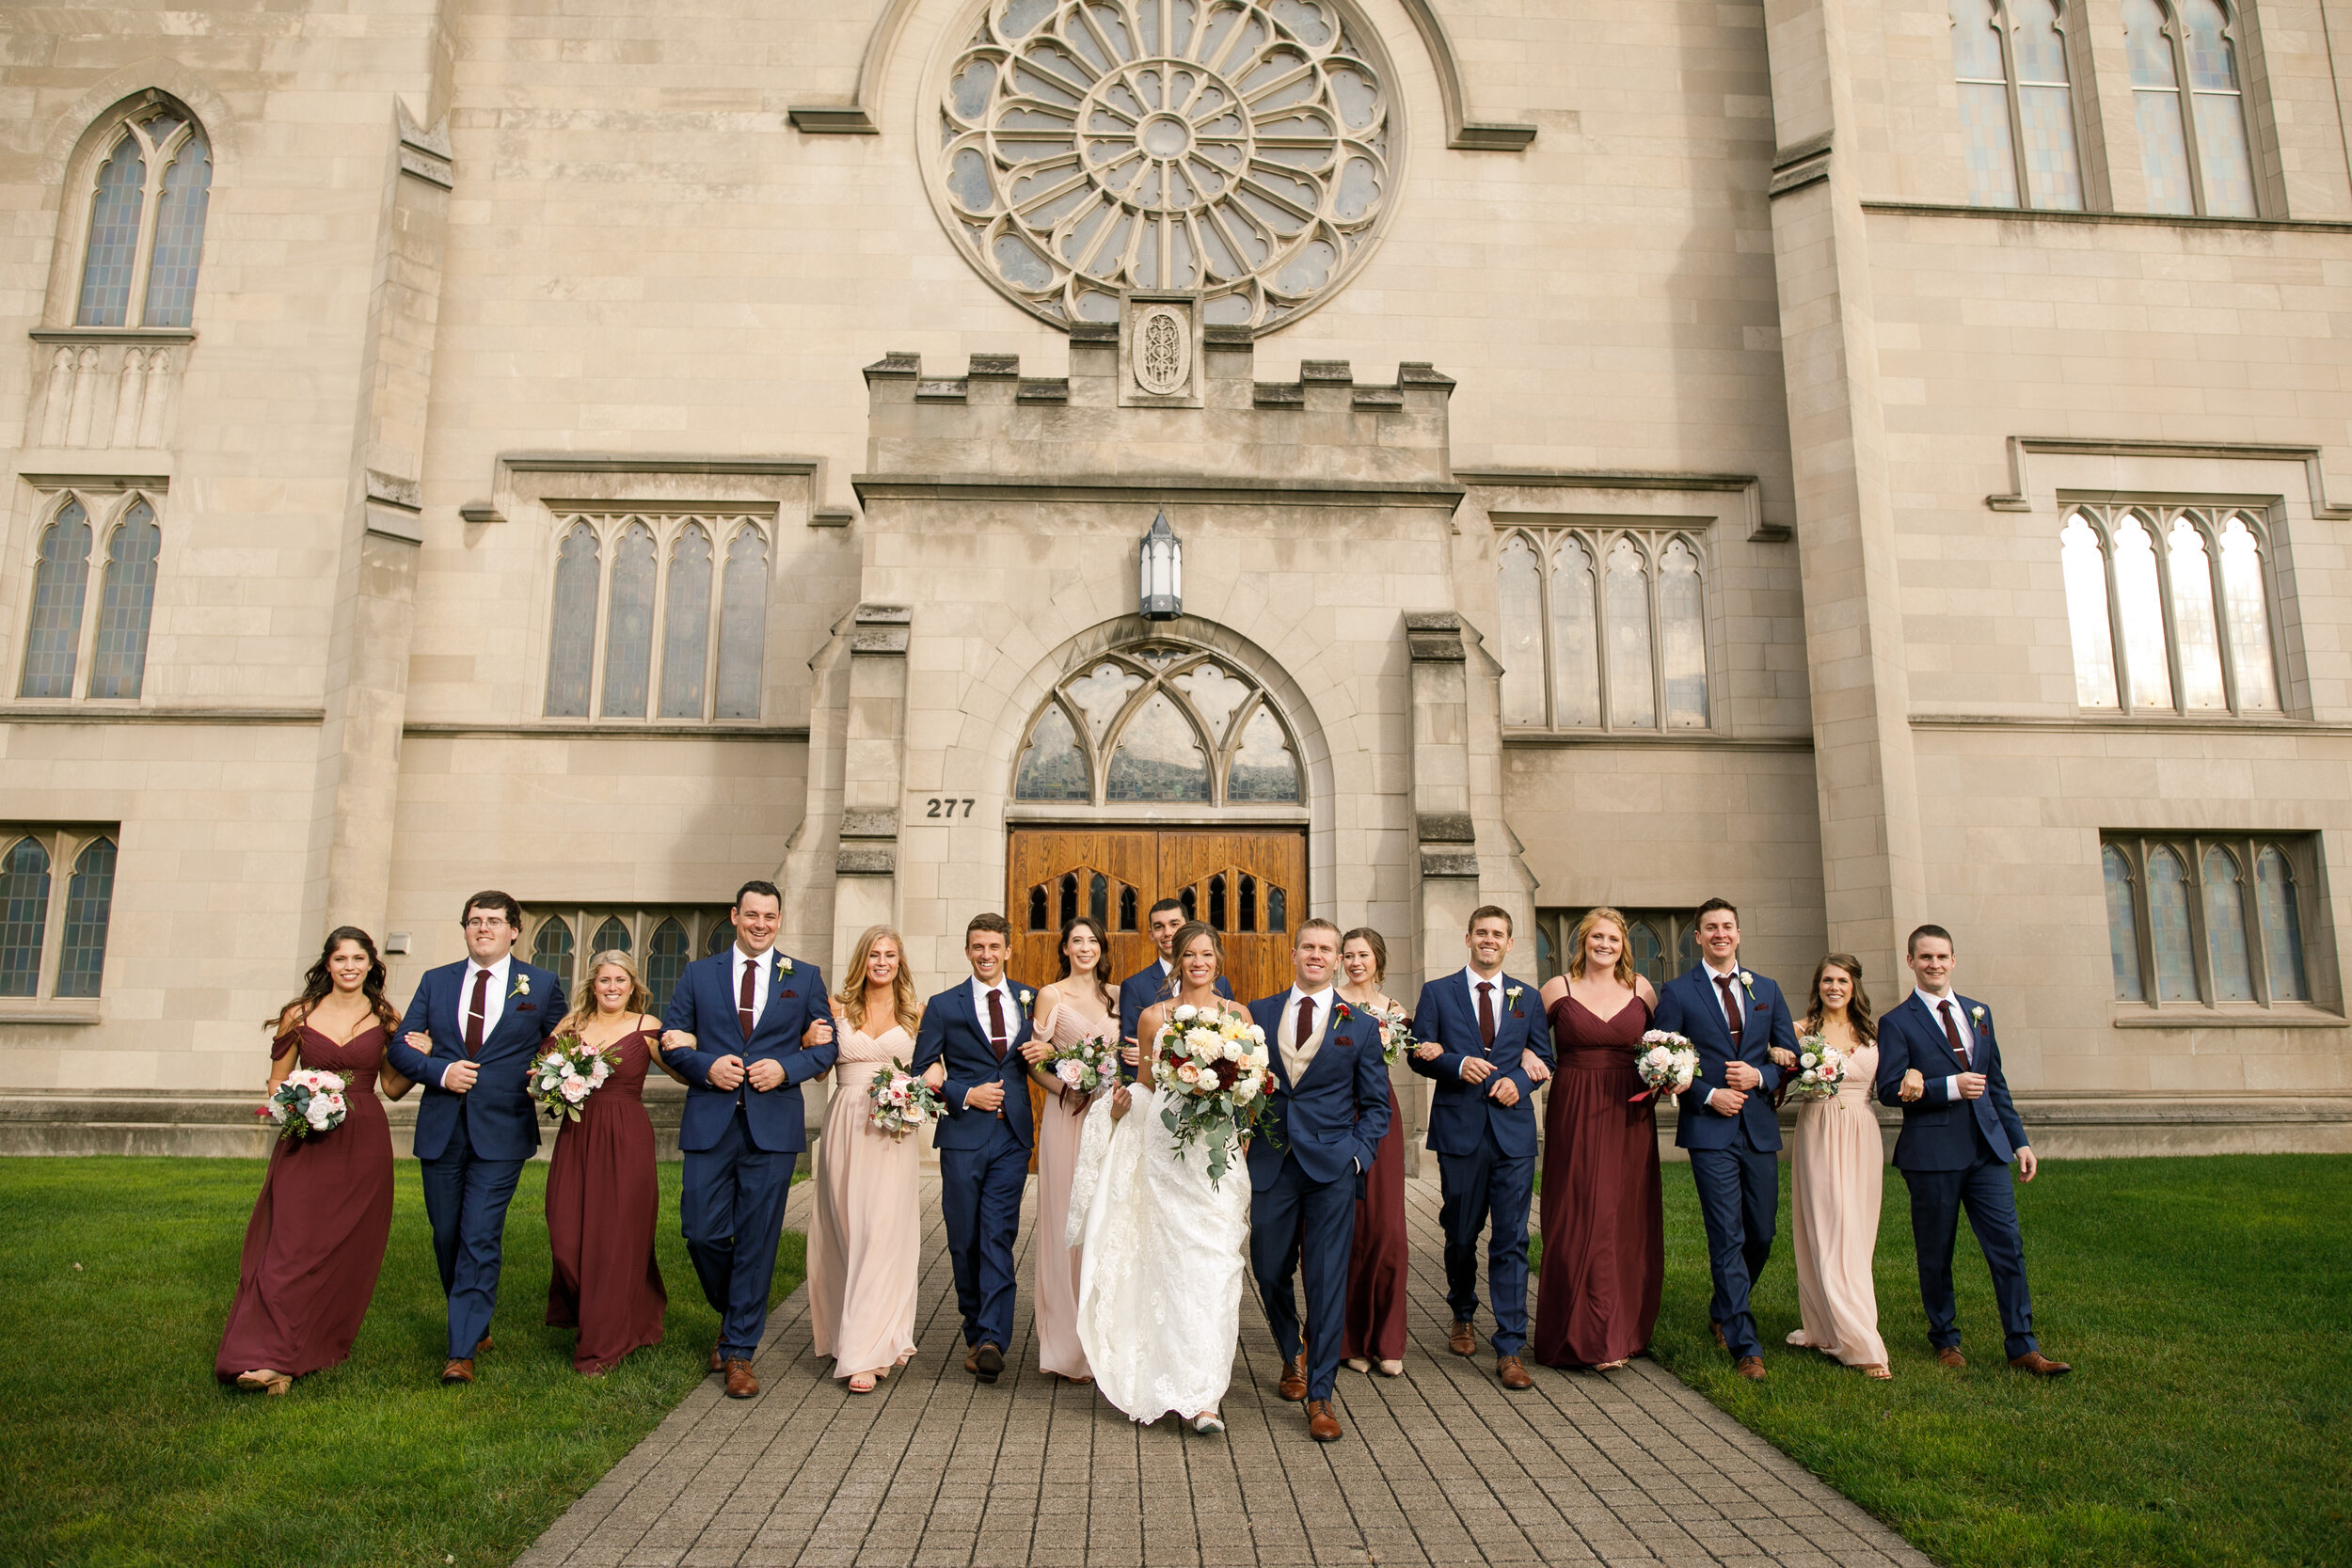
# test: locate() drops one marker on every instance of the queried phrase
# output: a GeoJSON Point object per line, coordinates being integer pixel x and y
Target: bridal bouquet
{"type": "Point", "coordinates": [1820, 1068]}
{"type": "Point", "coordinates": [1396, 1033]}
{"type": "Point", "coordinates": [564, 1078]}
{"type": "Point", "coordinates": [305, 1104]}
{"type": "Point", "coordinates": [902, 1102]}
{"type": "Point", "coordinates": [1667, 1062]}
{"type": "Point", "coordinates": [1218, 1067]}
{"type": "Point", "coordinates": [1086, 1064]}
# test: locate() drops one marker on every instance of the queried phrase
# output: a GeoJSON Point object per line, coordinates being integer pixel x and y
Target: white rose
{"type": "Point", "coordinates": [318, 1114]}
{"type": "Point", "coordinates": [1186, 1013]}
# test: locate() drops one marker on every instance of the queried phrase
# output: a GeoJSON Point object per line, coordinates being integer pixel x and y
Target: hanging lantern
{"type": "Point", "coordinates": [1160, 570]}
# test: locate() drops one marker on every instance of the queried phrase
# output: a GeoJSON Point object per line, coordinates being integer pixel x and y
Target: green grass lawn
{"type": "Point", "coordinates": [2206, 1307]}
{"type": "Point", "coordinates": [120, 1449]}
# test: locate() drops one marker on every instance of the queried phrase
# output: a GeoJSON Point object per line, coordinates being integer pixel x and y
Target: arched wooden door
{"type": "Point", "coordinates": [1250, 885]}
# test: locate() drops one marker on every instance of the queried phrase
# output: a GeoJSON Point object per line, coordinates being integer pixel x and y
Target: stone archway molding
{"type": "Point", "coordinates": [859, 116]}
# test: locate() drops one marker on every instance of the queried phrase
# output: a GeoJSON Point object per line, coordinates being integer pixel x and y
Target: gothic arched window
{"type": "Point", "coordinates": [1158, 724]}
{"type": "Point", "coordinates": [61, 638]}
{"type": "Point", "coordinates": [2198, 610]}
{"type": "Point", "coordinates": [2193, 148]}
{"type": "Point", "coordinates": [633, 617]}
{"type": "Point", "coordinates": [1616, 618]}
{"type": "Point", "coordinates": [145, 237]}
{"type": "Point", "coordinates": [2016, 103]}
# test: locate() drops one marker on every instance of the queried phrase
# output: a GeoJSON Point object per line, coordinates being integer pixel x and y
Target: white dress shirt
{"type": "Point", "coordinates": [763, 979]}
{"type": "Point", "coordinates": [1967, 1036]}
{"type": "Point", "coordinates": [493, 997]}
{"type": "Point", "coordinates": [979, 1007]}
{"type": "Point", "coordinates": [1297, 1058]}
{"type": "Point", "coordinates": [1473, 980]}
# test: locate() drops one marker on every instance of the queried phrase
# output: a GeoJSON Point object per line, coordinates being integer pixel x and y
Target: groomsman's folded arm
{"type": "Point", "coordinates": [407, 1059]}
{"type": "Point", "coordinates": [691, 1060]}
{"type": "Point", "coordinates": [931, 1047]}
{"type": "Point", "coordinates": [552, 1018]}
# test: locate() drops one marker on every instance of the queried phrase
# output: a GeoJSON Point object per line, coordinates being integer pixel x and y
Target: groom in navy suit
{"type": "Point", "coordinates": [978, 1030]}
{"type": "Point", "coordinates": [761, 1027]}
{"type": "Point", "coordinates": [1938, 1060]}
{"type": "Point", "coordinates": [1477, 1026]}
{"type": "Point", "coordinates": [1735, 1017]}
{"type": "Point", "coordinates": [484, 1016]}
{"type": "Point", "coordinates": [1149, 984]}
{"type": "Point", "coordinates": [1331, 1111]}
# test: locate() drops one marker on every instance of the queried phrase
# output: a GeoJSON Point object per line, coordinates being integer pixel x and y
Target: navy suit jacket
{"type": "Point", "coordinates": [501, 1123]}
{"type": "Point", "coordinates": [952, 1032]}
{"type": "Point", "coordinates": [1940, 1131]}
{"type": "Point", "coordinates": [1333, 1118]}
{"type": "Point", "coordinates": [1461, 1114]}
{"type": "Point", "coordinates": [1690, 1006]}
{"type": "Point", "coordinates": [704, 1005]}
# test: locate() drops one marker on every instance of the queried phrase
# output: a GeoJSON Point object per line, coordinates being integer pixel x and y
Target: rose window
{"type": "Point", "coordinates": [1237, 149]}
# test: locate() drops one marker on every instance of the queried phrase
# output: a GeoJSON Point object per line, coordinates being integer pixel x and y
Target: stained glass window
{"type": "Point", "coordinates": [686, 624]}
{"type": "Point", "coordinates": [1632, 700]}
{"type": "Point", "coordinates": [551, 949]}
{"type": "Point", "coordinates": [159, 164]}
{"type": "Point", "coordinates": [88, 905]}
{"type": "Point", "coordinates": [2122, 926]}
{"type": "Point", "coordinates": [628, 625]}
{"type": "Point", "coordinates": [1101, 693]}
{"type": "Point", "coordinates": [24, 916]}
{"type": "Point", "coordinates": [2225, 930]}
{"type": "Point", "coordinates": [179, 236]}
{"type": "Point", "coordinates": [2142, 601]}
{"type": "Point", "coordinates": [2282, 927]}
{"type": "Point", "coordinates": [1575, 647]}
{"type": "Point", "coordinates": [1682, 637]}
{"type": "Point", "coordinates": [2086, 570]}
{"type": "Point", "coordinates": [2195, 636]}
{"type": "Point", "coordinates": [2216, 628]}
{"type": "Point", "coordinates": [2157, 108]}
{"type": "Point", "coordinates": [2249, 605]}
{"type": "Point", "coordinates": [1214, 696]}
{"type": "Point", "coordinates": [1522, 650]}
{"type": "Point", "coordinates": [612, 937]}
{"type": "Point", "coordinates": [572, 646]}
{"type": "Point", "coordinates": [126, 604]}
{"type": "Point", "coordinates": [1158, 757]}
{"type": "Point", "coordinates": [665, 961]}
{"type": "Point", "coordinates": [2222, 154]}
{"type": "Point", "coordinates": [744, 625]}
{"type": "Point", "coordinates": [2045, 107]}
{"type": "Point", "coordinates": [2168, 919]}
{"type": "Point", "coordinates": [114, 237]}
{"type": "Point", "coordinates": [1052, 767]}
{"type": "Point", "coordinates": [1263, 768]}
{"type": "Point", "coordinates": [60, 580]}
{"type": "Point", "coordinates": [1155, 722]}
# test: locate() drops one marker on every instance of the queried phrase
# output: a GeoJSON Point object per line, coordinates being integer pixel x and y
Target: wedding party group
{"type": "Point", "coordinates": [1187, 1148]}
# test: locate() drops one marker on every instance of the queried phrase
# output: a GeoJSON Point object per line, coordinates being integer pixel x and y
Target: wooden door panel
{"type": "Point", "coordinates": [1054, 875]}
{"type": "Point", "coordinates": [1251, 887]}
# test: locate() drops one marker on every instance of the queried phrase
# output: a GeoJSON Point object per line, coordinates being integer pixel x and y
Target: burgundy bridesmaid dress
{"type": "Point", "coordinates": [1604, 1215]}
{"type": "Point", "coordinates": [1376, 1266]}
{"type": "Point", "coordinates": [603, 1199]}
{"type": "Point", "coordinates": [315, 1243]}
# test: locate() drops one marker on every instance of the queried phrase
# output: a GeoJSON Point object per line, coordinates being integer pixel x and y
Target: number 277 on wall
{"type": "Point", "coordinates": [945, 805]}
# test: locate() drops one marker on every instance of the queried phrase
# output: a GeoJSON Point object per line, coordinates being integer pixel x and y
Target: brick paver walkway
{"type": "Point", "coordinates": [1439, 1467]}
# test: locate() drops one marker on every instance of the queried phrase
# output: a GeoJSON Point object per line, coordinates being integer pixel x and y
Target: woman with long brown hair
{"type": "Point", "coordinates": [1604, 1221]}
{"type": "Point", "coordinates": [1838, 1179]}
{"type": "Point", "coordinates": [315, 1243]}
{"type": "Point", "coordinates": [865, 1229]}
{"type": "Point", "coordinates": [603, 1195]}
{"type": "Point", "coordinates": [1375, 1335]}
{"type": "Point", "coordinates": [1076, 1007]}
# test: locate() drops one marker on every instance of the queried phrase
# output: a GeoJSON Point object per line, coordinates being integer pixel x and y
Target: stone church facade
{"type": "Point", "coordinates": [1877, 460]}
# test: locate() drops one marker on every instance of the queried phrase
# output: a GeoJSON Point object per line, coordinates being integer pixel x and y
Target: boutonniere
{"type": "Point", "coordinates": [1747, 981]}
{"type": "Point", "coordinates": [784, 965]}
{"type": "Point", "coordinates": [522, 986]}
{"type": "Point", "coordinates": [1341, 1013]}
{"type": "Point", "coordinates": [1977, 1016]}
{"type": "Point", "coordinates": [1028, 999]}
{"type": "Point", "coordinates": [1512, 995]}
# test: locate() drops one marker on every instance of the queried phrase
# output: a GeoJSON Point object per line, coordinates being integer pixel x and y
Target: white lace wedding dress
{"type": "Point", "coordinates": [1160, 1283]}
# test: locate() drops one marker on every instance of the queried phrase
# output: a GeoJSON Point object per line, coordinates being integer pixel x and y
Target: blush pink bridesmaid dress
{"type": "Point", "coordinates": [1840, 1172]}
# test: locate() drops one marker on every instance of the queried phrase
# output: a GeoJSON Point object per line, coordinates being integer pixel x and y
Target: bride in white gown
{"type": "Point", "coordinates": [1160, 1283]}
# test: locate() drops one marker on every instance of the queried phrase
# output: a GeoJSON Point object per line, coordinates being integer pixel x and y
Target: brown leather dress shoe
{"type": "Point", "coordinates": [1513, 1372]}
{"type": "Point", "coordinates": [1321, 1424]}
{"type": "Point", "coordinates": [1461, 1340]}
{"type": "Point", "coordinates": [482, 1344]}
{"type": "Point", "coordinates": [1720, 1343]}
{"type": "Point", "coordinates": [717, 1365]}
{"type": "Point", "coordinates": [460, 1370]}
{"type": "Point", "coordinates": [740, 1383]}
{"type": "Point", "coordinates": [2039, 1365]}
{"type": "Point", "coordinates": [987, 1361]}
{"type": "Point", "coordinates": [1949, 1356]}
{"type": "Point", "coordinates": [1293, 1384]}
{"type": "Point", "coordinates": [1750, 1368]}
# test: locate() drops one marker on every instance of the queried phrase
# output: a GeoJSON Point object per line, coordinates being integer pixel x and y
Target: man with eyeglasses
{"type": "Point", "coordinates": [473, 1028]}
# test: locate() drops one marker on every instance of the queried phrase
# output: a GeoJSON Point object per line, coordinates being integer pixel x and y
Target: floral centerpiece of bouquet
{"type": "Point", "coordinates": [1397, 1032]}
{"type": "Point", "coordinates": [305, 1105]}
{"type": "Point", "coordinates": [1821, 1070]}
{"type": "Point", "coordinates": [565, 1074]}
{"type": "Point", "coordinates": [1667, 1062]}
{"type": "Point", "coordinates": [902, 1102]}
{"type": "Point", "coordinates": [1087, 1064]}
{"type": "Point", "coordinates": [1217, 1063]}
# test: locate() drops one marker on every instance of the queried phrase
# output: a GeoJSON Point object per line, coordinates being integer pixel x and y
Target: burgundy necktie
{"type": "Point", "coordinates": [1306, 1022]}
{"type": "Point", "coordinates": [1487, 1012]}
{"type": "Point", "coordinates": [1731, 1005]}
{"type": "Point", "coordinates": [744, 1014]}
{"type": "Point", "coordinates": [476, 1014]}
{"type": "Point", "coordinates": [996, 1022]}
{"type": "Point", "coordinates": [1951, 1034]}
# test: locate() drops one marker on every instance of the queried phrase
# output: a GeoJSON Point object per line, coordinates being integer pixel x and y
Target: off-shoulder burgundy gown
{"type": "Point", "coordinates": [315, 1243]}
{"type": "Point", "coordinates": [603, 1202]}
{"type": "Point", "coordinates": [1375, 1264]}
{"type": "Point", "coordinates": [1604, 1215]}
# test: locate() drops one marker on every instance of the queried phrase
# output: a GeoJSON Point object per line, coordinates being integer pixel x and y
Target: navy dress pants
{"type": "Point", "coordinates": [1739, 1199]}
{"type": "Point", "coordinates": [732, 1213]}
{"type": "Point", "coordinates": [1986, 1191]}
{"type": "Point", "coordinates": [1487, 1191]}
{"type": "Point", "coordinates": [980, 1200]}
{"type": "Point", "coordinates": [465, 1199]}
{"type": "Point", "coordinates": [1304, 1226]}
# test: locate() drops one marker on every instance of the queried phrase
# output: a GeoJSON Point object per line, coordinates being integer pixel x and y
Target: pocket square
{"type": "Point", "coordinates": [789, 994]}
{"type": "Point", "coordinates": [525, 1007]}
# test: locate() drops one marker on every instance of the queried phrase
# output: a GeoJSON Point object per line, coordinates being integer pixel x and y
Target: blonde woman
{"type": "Point", "coordinates": [1375, 1265]}
{"type": "Point", "coordinates": [602, 1194]}
{"type": "Point", "coordinates": [1603, 1213]}
{"type": "Point", "coordinates": [1838, 1180]}
{"type": "Point", "coordinates": [866, 1234]}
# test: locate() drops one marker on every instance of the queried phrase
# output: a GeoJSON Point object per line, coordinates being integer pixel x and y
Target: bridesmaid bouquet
{"type": "Point", "coordinates": [902, 1102]}
{"type": "Point", "coordinates": [305, 1104]}
{"type": "Point", "coordinates": [1820, 1068]}
{"type": "Point", "coordinates": [562, 1080]}
{"type": "Point", "coordinates": [1218, 1067]}
{"type": "Point", "coordinates": [1667, 1062]}
{"type": "Point", "coordinates": [1396, 1033]}
{"type": "Point", "coordinates": [1086, 1064]}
